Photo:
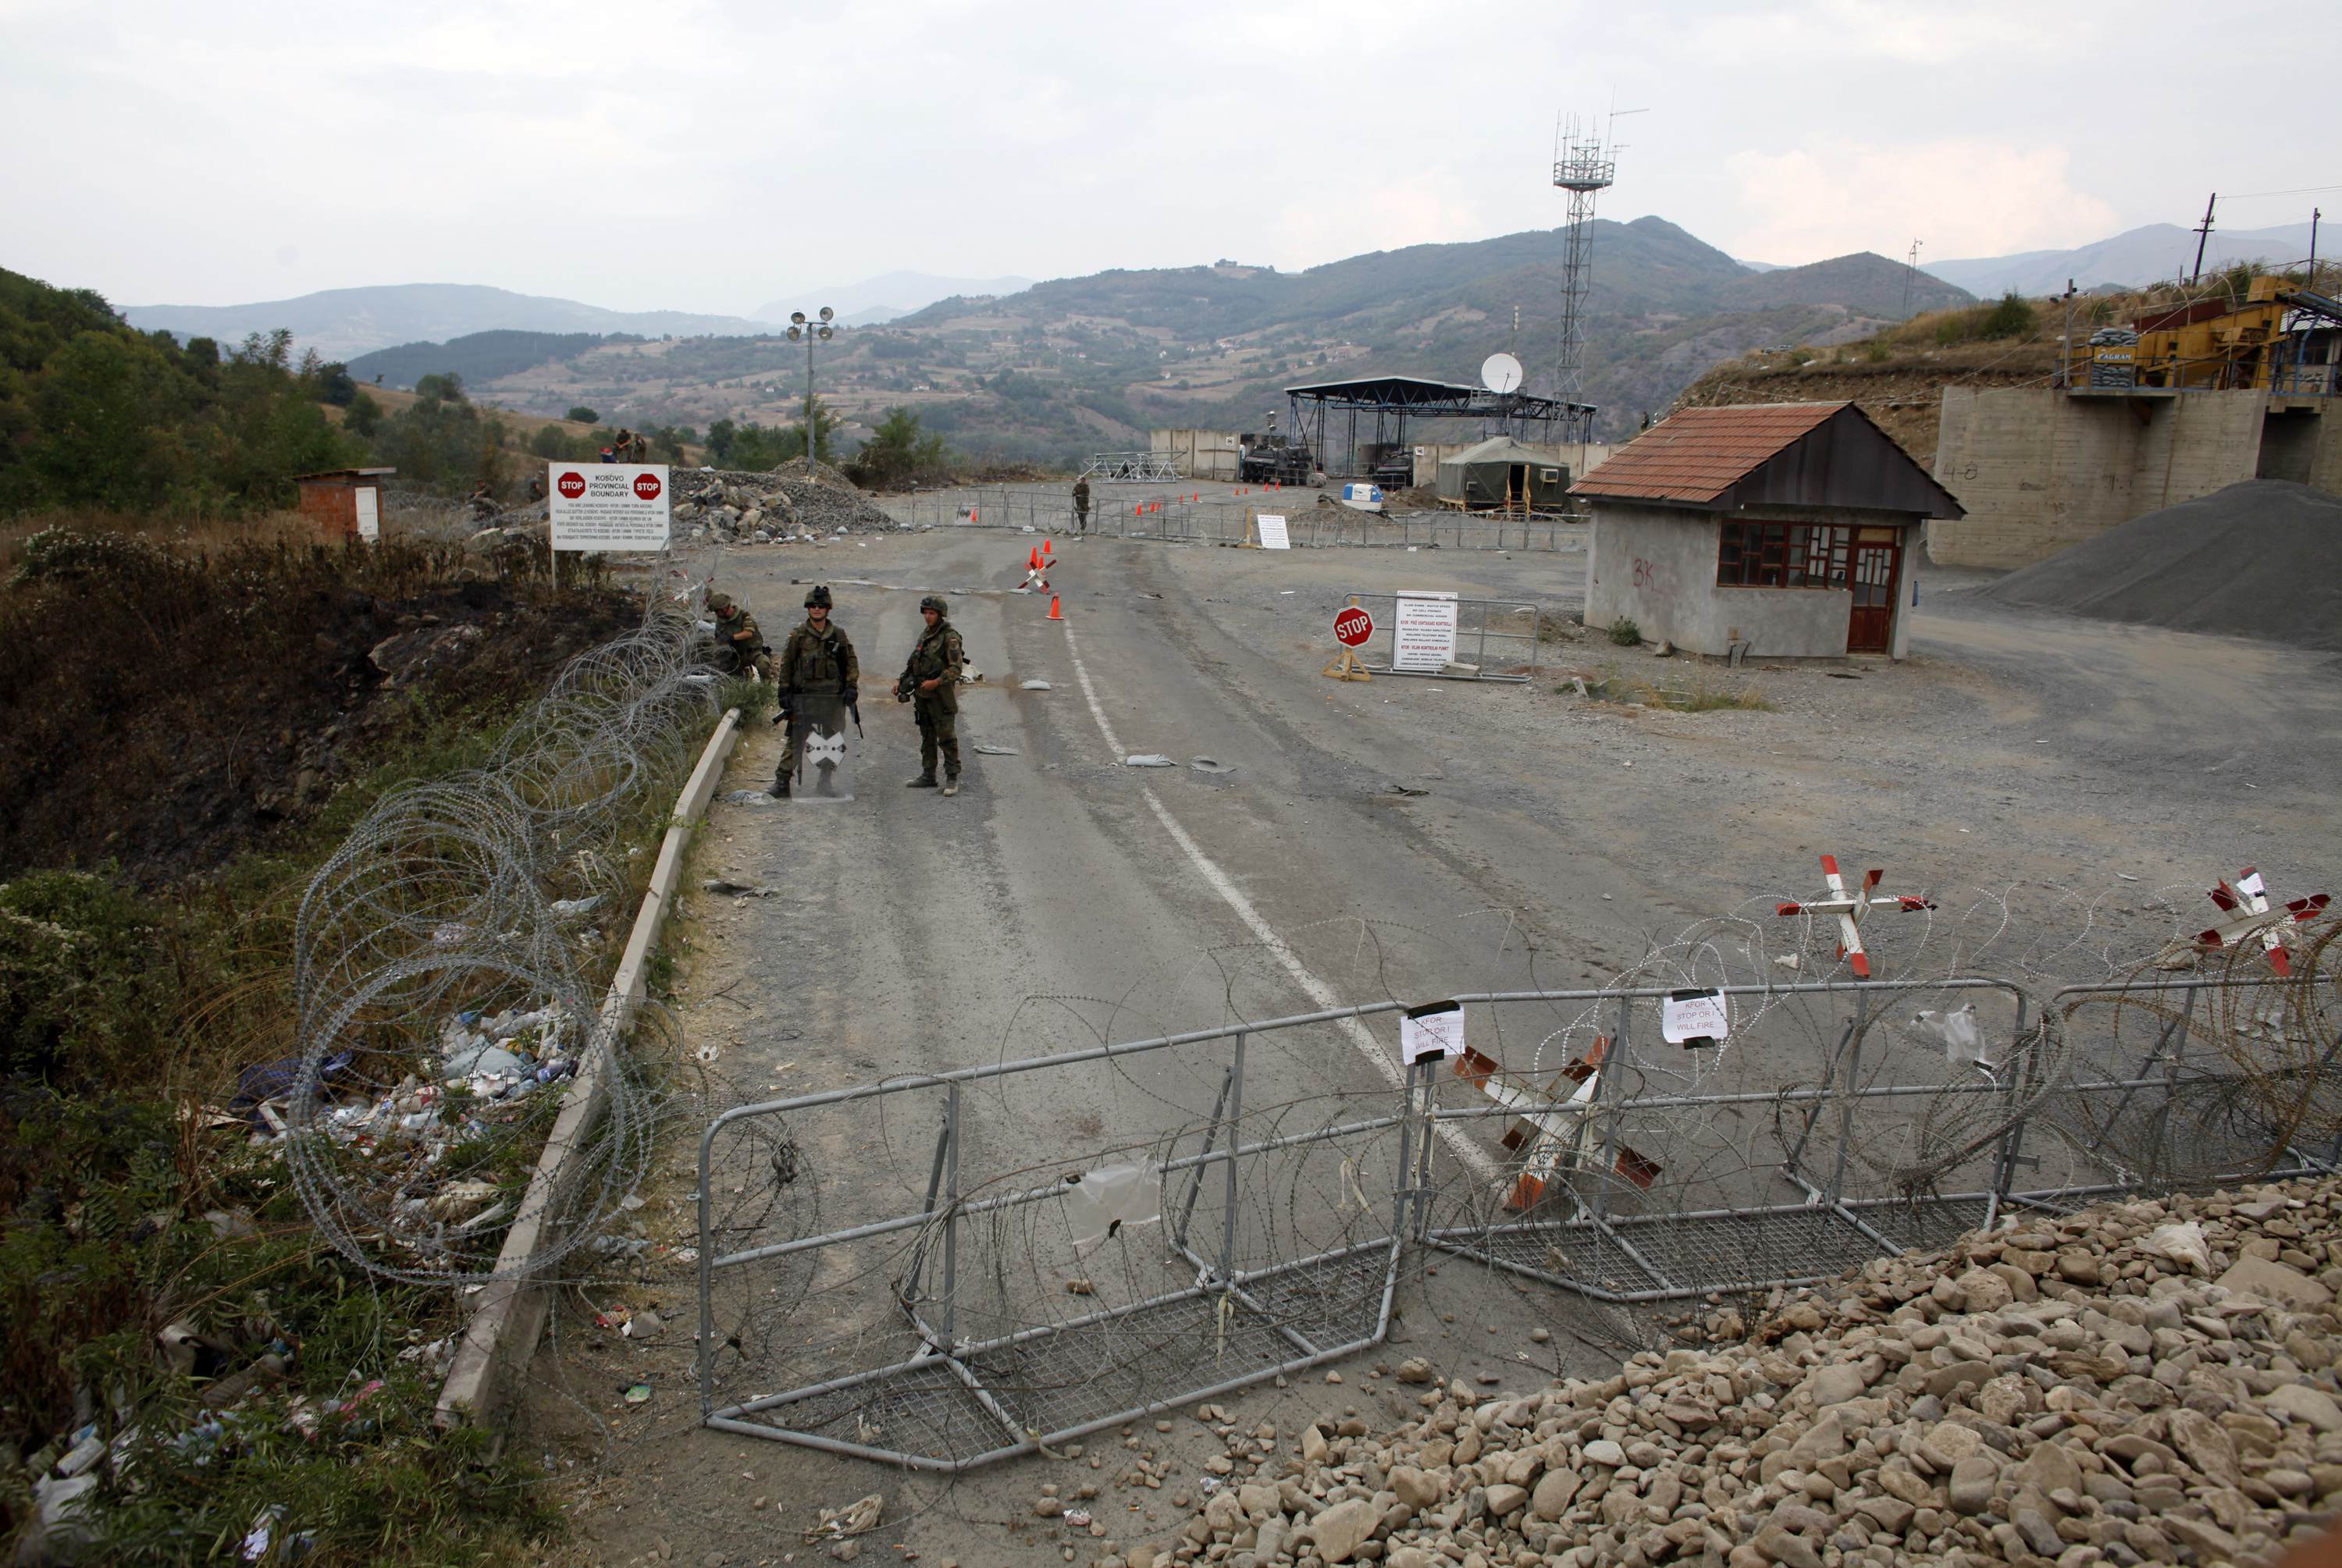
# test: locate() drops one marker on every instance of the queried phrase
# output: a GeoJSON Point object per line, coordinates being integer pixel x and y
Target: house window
{"type": "Point", "coordinates": [1783, 556]}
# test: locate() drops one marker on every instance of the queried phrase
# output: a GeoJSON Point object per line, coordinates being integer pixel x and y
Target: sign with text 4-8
{"type": "Point", "coordinates": [609, 505]}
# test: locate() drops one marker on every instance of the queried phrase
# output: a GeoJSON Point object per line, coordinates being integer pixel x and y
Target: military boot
{"type": "Point", "coordinates": [780, 789]}
{"type": "Point", "coordinates": [951, 784]}
{"type": "Point", "coordinates": [925, 781]}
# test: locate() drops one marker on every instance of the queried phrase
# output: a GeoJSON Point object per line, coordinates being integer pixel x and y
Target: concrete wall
{"type": "Point", "coordinates": [1656, 566]}
{"type": "Point", "coordinates": [1199, 454]}
{"type": "Point", "coordinates": [2038, 470]}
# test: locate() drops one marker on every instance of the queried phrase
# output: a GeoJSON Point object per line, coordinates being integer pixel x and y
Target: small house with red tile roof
{"type": "Point", "coordinates": [1788, 528]}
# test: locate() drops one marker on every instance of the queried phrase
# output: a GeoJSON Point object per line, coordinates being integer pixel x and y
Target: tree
{"type": "Point", "coordinates": [898, 452]}
{"type": "Point", "coordinates": [441, 387]}
{"type": "Point", "coordinates": [365, 415]}
{"type": "Point", "coordinates": [581, 415]}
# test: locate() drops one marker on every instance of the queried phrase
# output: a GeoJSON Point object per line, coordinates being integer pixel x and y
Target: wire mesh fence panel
{"type": "Point", "coordinates": [1219, 1216]}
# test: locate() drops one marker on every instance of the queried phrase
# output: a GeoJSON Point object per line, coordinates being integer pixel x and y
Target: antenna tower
{"type": "Point", "coordinates": [1585, 163]}
{"type": "Point", "coordinates": [1910, 278]}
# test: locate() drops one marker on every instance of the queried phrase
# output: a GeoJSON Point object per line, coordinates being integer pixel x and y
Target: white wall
{"type": "Point", "coordinates": [1656, 566]}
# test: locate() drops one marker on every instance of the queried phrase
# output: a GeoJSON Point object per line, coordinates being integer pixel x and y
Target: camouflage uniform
{"type": "Point", "coordinates": [818, 660]}
{"type": "Point", "coordinates": [1082, 502]}
{"type": "Point", "coordinates": [739, 645]}
{"type": "Point", "coordinates": [938, 657]}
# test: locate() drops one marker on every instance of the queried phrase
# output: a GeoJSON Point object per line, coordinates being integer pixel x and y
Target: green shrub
{"type": "Point", "coordinates": [1625, 633]}
{"type": "Point", "coordinates": [2009, 316]}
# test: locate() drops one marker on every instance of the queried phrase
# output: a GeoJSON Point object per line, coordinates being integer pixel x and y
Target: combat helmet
{"type": "Point", "coordinates": [818, 594]}
{"type": "Point", "coordinates": [934, 602]}
{"type": "Point", "coordinates": [719, 602]}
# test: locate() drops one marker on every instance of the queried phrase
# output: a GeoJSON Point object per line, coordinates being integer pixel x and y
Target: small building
{"type": "Point", "coordinates": [343, 502]}
{"type": "Point", "coordinates": [1788, 527]}
{"type": "Point", "coordinates": [1501, 472]}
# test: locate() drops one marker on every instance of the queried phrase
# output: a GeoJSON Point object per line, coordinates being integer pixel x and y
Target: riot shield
{"type": "Point", "coordinates": [818, 726]}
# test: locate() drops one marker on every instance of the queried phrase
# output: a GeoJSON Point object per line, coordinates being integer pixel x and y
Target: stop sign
{"type": "Point", "coordinates": [1353, 626]}
{"type": "Point", "coordinates": [572, 484]}
{"type": "Point", "coordinates": [647, 486]}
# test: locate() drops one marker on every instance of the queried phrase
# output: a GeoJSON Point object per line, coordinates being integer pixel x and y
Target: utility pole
{"type": "Point", "coordinates": [2314, 214]}
{"type": "Point", "coordinates": [1910, 278]}
{"type": "Point", "coordinates": [2066, 343]}
{"type": "Point", "coordinates": [809, 330]}
{"type": "Point", "coordinates": [2203, 232]}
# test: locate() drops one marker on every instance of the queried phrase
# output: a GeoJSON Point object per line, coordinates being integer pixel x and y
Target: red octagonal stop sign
{"type": "Point", "coordinates": [647, 486]}
{"type": "Point", "coordinates": [1353, 626]}
{"type": "Point", "coordinates": [572, 484]}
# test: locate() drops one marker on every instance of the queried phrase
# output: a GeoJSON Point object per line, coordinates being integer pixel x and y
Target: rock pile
{"type": "Point", "coordinates": [2146, 1382]}
{"type": "Point", "coordinates": [740, 508]}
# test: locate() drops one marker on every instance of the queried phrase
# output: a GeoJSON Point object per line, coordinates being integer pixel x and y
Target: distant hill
{"type": "Point", "coordinates": [1663, 306]}
{"type": "Point", "coordinates": [2136, 256]}
{"type": "Point", "coordinates": [341, 322]}
{"type": "Point", "coordinates": [478, 357]}
{"type": "Point", "coordinates": [896, 294]}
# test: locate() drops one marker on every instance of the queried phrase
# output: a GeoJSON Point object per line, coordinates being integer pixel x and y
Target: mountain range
{"type": "Point", "coordinates": [881, 299]}
{"type": "Point", "coordinates": [2134, 257]}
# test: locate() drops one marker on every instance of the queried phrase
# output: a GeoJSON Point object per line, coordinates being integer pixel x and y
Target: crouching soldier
{"type": "Point", "coordinates": [739, 645]}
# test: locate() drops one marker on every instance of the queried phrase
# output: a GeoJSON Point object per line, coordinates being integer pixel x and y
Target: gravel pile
{"type": "Point", "coordinates": [2146, 1382]}
{"type": "Point", "coordinates": [741, 508]}
{"type": "Point", "coordinates": [2259, 559]}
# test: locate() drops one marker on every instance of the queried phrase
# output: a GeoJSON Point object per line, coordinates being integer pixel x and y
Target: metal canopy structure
{"type": "Point", "coordinates": [1393, 400]}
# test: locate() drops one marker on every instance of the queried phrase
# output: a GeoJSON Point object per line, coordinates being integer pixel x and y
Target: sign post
{"type": "Point", "coordinates": [1352, 627]}
{"type": "Point", "coordinates": [602, 507]}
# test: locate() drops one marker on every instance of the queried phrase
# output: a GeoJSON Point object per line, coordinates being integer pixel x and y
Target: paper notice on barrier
{"type": "Point", "coordinates": [609, 507]}
{"type": "Point", "coordinates": [1423, 633]}
{"type": "Point", "coordinates": [1694, 1018]}
{"type": "Point", "coordinates": [1111, 1197]}
{"type": "Point", "coordinates": [1272, 531]}
{"type": "Point", "coordinates": [1433, 1030]}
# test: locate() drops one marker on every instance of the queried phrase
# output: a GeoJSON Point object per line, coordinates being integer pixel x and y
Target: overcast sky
{"type": "Point", "coordinates": [713, 155]}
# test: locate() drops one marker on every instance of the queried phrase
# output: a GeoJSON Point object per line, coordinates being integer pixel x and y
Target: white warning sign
{"type": "Point", "coordinates": [1272, 531]}
{"type": "Point", "coordinates": [1423, 633]}
{"type": "Point", "coordinates": [1433, 1030]}
{"type": "Point", "coordinates": [601, 507]}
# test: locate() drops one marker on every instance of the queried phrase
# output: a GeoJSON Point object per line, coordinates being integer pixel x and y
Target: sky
{"type": "Point", "coordinates": [711, 155]}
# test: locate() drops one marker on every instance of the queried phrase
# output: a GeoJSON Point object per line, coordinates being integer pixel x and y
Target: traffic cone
{"type": "Point", "coordinates": [1055, 614]}
{"type": "Point", "coordinates": [1032, 560]}
{"type": "Point", "coordinates": [1045, 550]}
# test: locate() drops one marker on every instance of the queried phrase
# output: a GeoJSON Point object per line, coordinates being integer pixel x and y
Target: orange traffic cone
{"type": "Point", "coordinates": [1032, 560]}
{"type": "Point", "coordinates": [1044, 549]}
{"type": "Point", "coordinates": [1055, 613]}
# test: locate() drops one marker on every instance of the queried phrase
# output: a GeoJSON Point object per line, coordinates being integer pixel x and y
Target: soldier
{"type": "Point", "coordinates": [536, 487]}
{"type": "Point", "coordinates": [622, 450]}
{"type": "Point", "coordinates": [483, 502]}
{"type": "Point", "coordinates": [739, 645]}
{"type": "Point", "coordinates": [817, 659]}
{"type": "Point", "coordinates": [930, 683]}
{"type": "Point", "coordinates": [1082, 502]}
{"type": "Point", "coordinates": [642, 448]}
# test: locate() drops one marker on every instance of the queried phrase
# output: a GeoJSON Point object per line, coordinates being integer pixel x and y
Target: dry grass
{"type": "Point", "coordinates": [188, 532]}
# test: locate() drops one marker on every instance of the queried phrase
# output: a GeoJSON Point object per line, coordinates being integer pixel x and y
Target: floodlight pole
{"type": "Point", "coordinates": [809, 330]}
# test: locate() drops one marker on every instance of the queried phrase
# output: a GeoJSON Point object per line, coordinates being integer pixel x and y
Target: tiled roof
{"type": "Point", "coordinates": [1698, 453]}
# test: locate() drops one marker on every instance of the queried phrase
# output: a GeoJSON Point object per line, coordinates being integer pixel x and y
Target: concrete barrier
{"type": "Point", "coordinates": [502, 1335]}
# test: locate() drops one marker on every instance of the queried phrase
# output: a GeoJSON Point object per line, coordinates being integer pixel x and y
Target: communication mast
{"type": "Point", "coordinates": [1585, 163]}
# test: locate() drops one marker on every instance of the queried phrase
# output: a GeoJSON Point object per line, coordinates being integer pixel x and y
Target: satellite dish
{"type": "Point", "coordinates": [1500, 373]}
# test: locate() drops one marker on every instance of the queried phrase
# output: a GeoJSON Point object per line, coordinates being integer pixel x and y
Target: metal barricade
{"type": "Point", "coordinates": [1494, 639]}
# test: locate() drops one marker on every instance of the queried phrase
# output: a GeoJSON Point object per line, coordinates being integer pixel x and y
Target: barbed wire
{"type": "Point", "coordinates": [446, 965]}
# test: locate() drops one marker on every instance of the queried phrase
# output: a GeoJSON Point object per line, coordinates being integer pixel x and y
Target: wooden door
{"type": "Point", "coordinates": [1870, 629]}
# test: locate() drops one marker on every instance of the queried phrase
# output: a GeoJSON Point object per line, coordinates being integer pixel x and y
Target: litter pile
{"type": "Point", "coordinates": [2145, 1382]}
{"type": "Point", "coordinates": [2258, 559]}
{"type": "Point", "coordinates": [785, 507]}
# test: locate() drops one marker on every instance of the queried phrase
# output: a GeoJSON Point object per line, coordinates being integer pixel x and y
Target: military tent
{"type": "Point", "coordinates": [1502, 472]}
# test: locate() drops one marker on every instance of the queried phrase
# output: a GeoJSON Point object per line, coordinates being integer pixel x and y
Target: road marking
{"type": "Point", "coordinates": [1316, 990]}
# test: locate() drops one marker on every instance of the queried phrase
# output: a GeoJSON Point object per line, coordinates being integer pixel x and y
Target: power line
{"type": "Point", "coordinates": [2303, 191]}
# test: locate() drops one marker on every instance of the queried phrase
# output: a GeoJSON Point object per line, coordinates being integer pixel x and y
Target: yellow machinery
{"type": "Point", "coordinates": [2211, 344]}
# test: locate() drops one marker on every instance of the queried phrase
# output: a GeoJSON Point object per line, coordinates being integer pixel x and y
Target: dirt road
{"type": "Point", "coordinates": [1063, 900]}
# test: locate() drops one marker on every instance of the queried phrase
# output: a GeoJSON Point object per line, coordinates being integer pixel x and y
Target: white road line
{"type": "Point", "coordinates": [1316, 990]}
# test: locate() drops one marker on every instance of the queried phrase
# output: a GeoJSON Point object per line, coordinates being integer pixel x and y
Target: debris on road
{"type": "Point", "coordinates": [1980, 1404]}
{"type": "Point", "coordinates": [725, 885]}
{"type": "Point", "coordinates": [988, 749]}
{"type": "Point", "coordinates": [1033, 686]}
{"type": "Point", "coordinates": [854, 1519]}
{"type": "Point", "coordinates": [1148, 760]}
{"type": "Point", "coordinates": [1209, 765]}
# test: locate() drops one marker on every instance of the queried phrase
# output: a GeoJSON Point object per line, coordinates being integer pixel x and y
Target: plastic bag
{"type": "Point", "coordinates": [1110, 1197]}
